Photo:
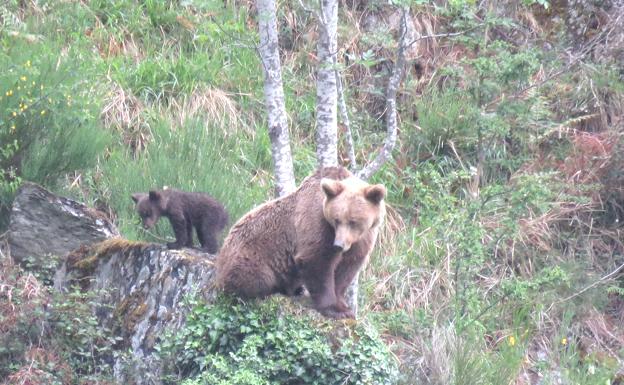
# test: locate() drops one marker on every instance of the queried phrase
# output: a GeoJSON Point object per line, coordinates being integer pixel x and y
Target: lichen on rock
{"type": "Point", "coordinates": [143, 287]}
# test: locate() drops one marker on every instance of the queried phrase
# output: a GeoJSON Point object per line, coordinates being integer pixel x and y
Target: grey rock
{"type": "Point", "coordinates": [43, 224]}
{"type": "Point", "coordinates": [141, 289]}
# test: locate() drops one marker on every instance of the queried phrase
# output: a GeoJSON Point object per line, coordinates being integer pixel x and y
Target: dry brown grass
{"type": "Point", "coordinates": [215, 106]}
{"type": "Point", "coordinates": [31, 374]}
{"type": "Point", "coordinates": [124, 112]}
{"type": "Point", "coordinates": [110, 45]}
{"type": "Point", "coordinates": [392, 226]}
{"type": "Point", "coordinates": [20, 293]}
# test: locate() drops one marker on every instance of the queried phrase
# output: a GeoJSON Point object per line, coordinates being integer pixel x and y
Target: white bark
{"type": "Point", "coordinates": [391, 113]}
{"type": "Point", "coordinates": [344, 114]}
{"type": "Point", "coordinates": [274, 97]}
{"type": "Point", "coordinates": [326, 106]}
{"type": "Point", "coordinates": [326, 91]}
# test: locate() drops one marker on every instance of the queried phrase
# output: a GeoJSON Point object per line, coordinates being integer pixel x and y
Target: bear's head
{"type": "Point", "coordinates": [353, 208]}
{"type": "Point", "coordinates": [150, 207]}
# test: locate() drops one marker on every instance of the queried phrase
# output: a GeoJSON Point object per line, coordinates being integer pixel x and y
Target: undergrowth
{"type": "Point", "coordinates": [47, 337]}
{"type": "Point", "coordinates": [501, 258]}
{"type": "Point", "coordinates": [231, 342]}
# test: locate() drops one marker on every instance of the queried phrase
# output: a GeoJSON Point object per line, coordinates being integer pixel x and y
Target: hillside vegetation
{"type": "Point", "coordinates": [501, 260]}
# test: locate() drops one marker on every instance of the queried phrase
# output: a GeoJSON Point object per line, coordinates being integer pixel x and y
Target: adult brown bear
{"type": "Point", "coordinates": [319, 236]}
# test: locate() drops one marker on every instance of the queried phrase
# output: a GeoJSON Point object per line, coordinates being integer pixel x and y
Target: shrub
{"type": "Point", "coordinates": [48, 337]}
{"type": "Point", "coordinates": [234, 343]}
{"type": "Point", "coordinates": [48, 117]}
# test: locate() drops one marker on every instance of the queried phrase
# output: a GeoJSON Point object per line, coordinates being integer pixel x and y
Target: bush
{"type": "Point", "coordinates": [48, 117]}
{"type": "Point", "coordinates": [233, 343]}
{"type": "Point", "coordinates": [47, 337]}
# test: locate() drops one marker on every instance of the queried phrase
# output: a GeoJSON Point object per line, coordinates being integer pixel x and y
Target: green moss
{"type": "Point", "coordinates": [130, 311]}
{"type": "Point", "coordinates": [85, 259]}
{"type": "Point", "coordinates": [135, 316]}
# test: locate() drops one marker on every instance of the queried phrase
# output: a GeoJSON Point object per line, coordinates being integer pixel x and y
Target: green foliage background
{"type": "Point", "coordinates": [505, 185]}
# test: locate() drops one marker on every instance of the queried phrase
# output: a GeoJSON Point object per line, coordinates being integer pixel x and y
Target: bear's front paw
{"type": "Point", "coordinates": [333, 312]}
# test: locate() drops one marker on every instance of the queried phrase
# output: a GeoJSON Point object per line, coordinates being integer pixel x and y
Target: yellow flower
{"type": "Point", "coordinates": [13, 127]}
{"type": "Point", "coordinates": [27, 63]}
{"type": "Point", "coordinates": [43, 112]}
{"type": "Point", "coordinates": [23, 78]}
{"type": "Point", "coordinates": [9, 93]}
{"type": "Point", "coordinates": [511, 340]}
{"type": "Point", "coordinates": [14, 114]}
{"type": "Point", "coordinates": [564, 341]}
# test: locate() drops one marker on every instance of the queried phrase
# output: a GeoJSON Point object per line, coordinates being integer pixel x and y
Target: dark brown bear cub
{"type": "Point", "coordinates": [318, 236]}
{"type": "Point", "coordinates": [185, 210]}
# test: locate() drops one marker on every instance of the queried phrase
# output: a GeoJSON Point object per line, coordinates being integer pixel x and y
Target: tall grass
{"type": "Point", "coordinates": [193, 157]}
{"type": "Point", "coordinates": [485, 282]}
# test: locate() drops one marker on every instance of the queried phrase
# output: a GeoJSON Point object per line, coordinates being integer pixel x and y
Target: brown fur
{"type": "Point", "coordinates": [319, 236]}
{"type": "Point", "coordinates": [185, 210]}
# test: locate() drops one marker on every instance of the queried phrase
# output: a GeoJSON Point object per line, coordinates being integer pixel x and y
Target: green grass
{"type": "Point", "coordinates": [193, 157]}
{"type": "Point", "coordinates": [466, 285]}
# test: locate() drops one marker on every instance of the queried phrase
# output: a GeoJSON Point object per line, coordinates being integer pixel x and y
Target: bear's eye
{"type": "Point", "coordinates": [337, 221]}
{"type": "Point", "coordinates": [352, 224]}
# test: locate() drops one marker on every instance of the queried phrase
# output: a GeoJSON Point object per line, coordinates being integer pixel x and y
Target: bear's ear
{"type": "Point", "coordinates": [375, 193]}
{"type": "Point", "coordinates": [154, 195]}
{"type": "Point", "coordinates": [136, 197]}
{"type": "Point", "coordinates": [331, 187]}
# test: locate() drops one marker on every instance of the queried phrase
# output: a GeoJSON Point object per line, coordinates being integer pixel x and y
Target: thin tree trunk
{"type": "Point", "coordinates": [326, 92]}
{"type": "Point", "coordinates": [391, 113]}
{"type": "Point", "coordinates": [274, 97]}
{"type": "Point", "coordinates": [344, 114]}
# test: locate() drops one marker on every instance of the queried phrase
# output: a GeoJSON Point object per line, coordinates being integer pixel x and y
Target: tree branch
{"type": "Point", "coordinates": [391, 112]}
{"type": "Point", "coordinates": [439, 35]}
{"type": "Point", "coordinates": [583, 290]}
{"type": "Point", "coordinates": [342, 105]}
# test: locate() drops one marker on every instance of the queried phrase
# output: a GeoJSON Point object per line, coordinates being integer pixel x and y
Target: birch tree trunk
{"type": "Point", "coordinates": [327, 105]}
{"type": "Point", "coordinates": [385, 153]}
{"type": "Point", "coordinates": [326, 91]}
{"type": "Point", "coordinates": [274, 97]}
{"type": "Point", "coordinates": [344, 114]}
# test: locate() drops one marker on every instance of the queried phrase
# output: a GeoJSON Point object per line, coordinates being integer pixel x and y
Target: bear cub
{"type": "Point", "coordinates": [318, 237]}
{"type": "Point", "coordinates": [185, 210]}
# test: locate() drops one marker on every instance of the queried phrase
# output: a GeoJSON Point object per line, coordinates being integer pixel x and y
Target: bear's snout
{"type": "Point", "coordinates": [340, 245]}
